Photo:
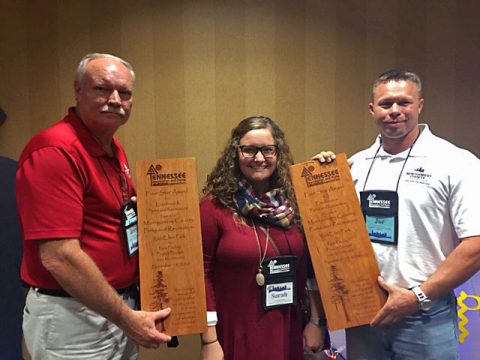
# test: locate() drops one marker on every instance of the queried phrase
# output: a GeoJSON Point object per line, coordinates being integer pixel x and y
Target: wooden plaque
{"type": "Point", "coordinates": [170, 244]}
{"type": "Point", "coordinates": [342, 254]}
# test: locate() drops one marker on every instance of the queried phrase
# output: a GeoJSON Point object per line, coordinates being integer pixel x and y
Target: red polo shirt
{"type": "Point", "coordinates": [69, 187]}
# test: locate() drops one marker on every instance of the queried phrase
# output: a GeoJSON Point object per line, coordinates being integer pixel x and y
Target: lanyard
{"type": "Point", "coordinates": [260, 278]}
{"type": "Point", "coordinates": [123, 184]}
{"type": "Point", "coordinates": [260, 257]}
{"type": "Point", "coordinates": [403, 166]}
{"type": "Point", "coordinates": [274, 245]}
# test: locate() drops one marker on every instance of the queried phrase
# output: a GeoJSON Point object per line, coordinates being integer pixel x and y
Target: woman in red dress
{"type": "Point", "coordinates": [255, 254]}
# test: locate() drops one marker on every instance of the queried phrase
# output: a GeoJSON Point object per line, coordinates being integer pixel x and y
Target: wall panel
{"type": "Point", "coordinates": [199, 83]}
{"type": "Point", "coordinates": [260, 59]}
{"type": "Point", "coordinates": [349, 80]}
{"type": "Point", "coordinates": [290, 74]}
{"type": "Point", "coordinates": [466, 102]}
{"type": "Point", "coordinates": [42, 64]}
{"type": "Point", "coordinates": [14, 79]}
{"type": "Point", "coordinates": [137, 38]}
{"type": "Point", "coordinates": [230, 59]}
{"type": "Point", "coordinates": [320, 69]}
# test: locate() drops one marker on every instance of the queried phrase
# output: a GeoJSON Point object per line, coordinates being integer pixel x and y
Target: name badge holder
{"type": "Point", "coordinates": [129, 220]}
{"type": "Point", "coordinates": [380, 207]}
{"type": "Point", "coordinates": [380, 210]}
{"type": "Point", "coordinates": [280, 287]}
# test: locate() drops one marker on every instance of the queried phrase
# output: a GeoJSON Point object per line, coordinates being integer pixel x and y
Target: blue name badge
{"type": "Point", "coordinates": [380, 209]}
{"type": "Point", "coordinates": [381, 228]}
{"type": "Point", "coordinates": [130, 226]}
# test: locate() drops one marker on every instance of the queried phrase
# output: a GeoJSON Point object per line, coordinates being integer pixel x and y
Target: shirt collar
{"type": "Point", "coordinates": [85, 136]}
{"type": "Point", "coordinates": [419, 148]}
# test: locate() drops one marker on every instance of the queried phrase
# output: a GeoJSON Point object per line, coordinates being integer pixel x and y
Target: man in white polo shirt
{"type": "Point", "coordinates": [421, 201]}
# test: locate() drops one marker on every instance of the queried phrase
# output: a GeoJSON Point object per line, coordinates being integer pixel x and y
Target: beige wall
{"type": "Point", "coordinates": [203, 65]}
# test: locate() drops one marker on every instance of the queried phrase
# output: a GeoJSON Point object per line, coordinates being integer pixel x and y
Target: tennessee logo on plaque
{"type": "Point", "coordinates": [170, 244]}
{"type": "Point", "coordinates": [342, 255]}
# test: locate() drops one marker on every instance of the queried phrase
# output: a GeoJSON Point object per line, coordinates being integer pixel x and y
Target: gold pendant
{"type": "Point", "coordinates": [260, 279]}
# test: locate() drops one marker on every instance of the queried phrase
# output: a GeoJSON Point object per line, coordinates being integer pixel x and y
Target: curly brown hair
{"type": "Point", "coordinates": [223, 181]}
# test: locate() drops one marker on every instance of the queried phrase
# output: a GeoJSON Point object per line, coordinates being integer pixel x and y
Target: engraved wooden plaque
{"type": "Point", "coordinates": [342, 255]}
{"type": "Point", "coordinates": [170, 244]}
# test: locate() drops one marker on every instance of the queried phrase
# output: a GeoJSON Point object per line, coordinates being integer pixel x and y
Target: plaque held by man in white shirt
{"type": "Point", "coordinates": [342, 255]}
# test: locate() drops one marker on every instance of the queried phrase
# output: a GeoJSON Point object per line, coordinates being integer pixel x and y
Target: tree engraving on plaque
{"type": "Point", "coordinates": [160, 297]}
{"type": "Point", "coordinates": [339, 290]}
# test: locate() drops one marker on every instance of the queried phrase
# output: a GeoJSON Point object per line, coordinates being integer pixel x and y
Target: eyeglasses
{"type": "Point", "coordinates": [268, 151]}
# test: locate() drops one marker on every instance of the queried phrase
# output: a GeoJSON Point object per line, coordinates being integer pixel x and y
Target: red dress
{"type": "Point", "coordinates": [231, 256]}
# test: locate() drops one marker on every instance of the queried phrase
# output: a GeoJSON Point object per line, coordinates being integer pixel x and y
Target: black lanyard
{"type": "Point", "coordinates": [274, 245]}
{"type": "Point", "coordinates": [403, 166]}
{"type": "Point", "coordinates": [123, 184]}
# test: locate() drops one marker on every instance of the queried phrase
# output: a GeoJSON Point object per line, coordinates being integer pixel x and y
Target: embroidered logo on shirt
{"type": "Point", "coordinates": [418, 176]}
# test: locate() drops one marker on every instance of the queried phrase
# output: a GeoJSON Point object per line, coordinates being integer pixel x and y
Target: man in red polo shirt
{"type": "Point", "coordinates": [73, 180]}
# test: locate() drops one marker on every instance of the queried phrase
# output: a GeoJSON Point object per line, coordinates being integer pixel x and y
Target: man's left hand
{"type": "Point", "coordinates": [325, 157]}
{"type": "Point", "coordinates": [400, 303]}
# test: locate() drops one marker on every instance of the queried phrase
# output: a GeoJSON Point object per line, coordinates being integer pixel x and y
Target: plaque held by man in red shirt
{"type": "Point", "coordinates": [170, 244]}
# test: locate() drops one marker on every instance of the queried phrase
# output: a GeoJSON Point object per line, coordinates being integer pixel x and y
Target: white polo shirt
{"type": "Point", "coordinates": [439, 203]}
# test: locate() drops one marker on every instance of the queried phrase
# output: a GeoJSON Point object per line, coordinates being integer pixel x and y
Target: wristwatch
{"type": "Point", "coordinates": [424, 303]}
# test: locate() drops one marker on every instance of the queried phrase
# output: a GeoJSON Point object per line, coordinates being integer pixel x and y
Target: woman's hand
{"type": "Point", "coordinates": [313, 337]}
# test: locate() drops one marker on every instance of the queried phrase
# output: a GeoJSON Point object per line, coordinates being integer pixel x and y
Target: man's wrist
{"type": "Point", "coordinates": [424, 302]}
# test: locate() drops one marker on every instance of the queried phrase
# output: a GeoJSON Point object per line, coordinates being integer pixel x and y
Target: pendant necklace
{"type": "Point", "coordinates": [260, 278]}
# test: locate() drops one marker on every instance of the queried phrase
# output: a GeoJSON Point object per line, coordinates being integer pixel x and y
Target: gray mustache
{"type": "Point", "coordinates": [113, 109]}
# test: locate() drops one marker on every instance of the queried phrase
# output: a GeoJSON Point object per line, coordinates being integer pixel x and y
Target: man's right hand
{"type": "Point", "coordinates": [72, 267]}
{"type": "Point", "coordinates": [140, 327]}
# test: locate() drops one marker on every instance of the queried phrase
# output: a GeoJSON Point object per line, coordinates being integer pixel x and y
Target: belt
{"type": "Point", "coordinates": [63, 293]}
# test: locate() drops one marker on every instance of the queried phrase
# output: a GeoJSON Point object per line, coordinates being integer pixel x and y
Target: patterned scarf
{"type": "Point", "coordinates": [271, 207]}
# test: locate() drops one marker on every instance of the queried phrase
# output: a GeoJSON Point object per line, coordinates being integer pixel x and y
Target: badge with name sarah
{"type": "Point", "coordinates": [280, 287]}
